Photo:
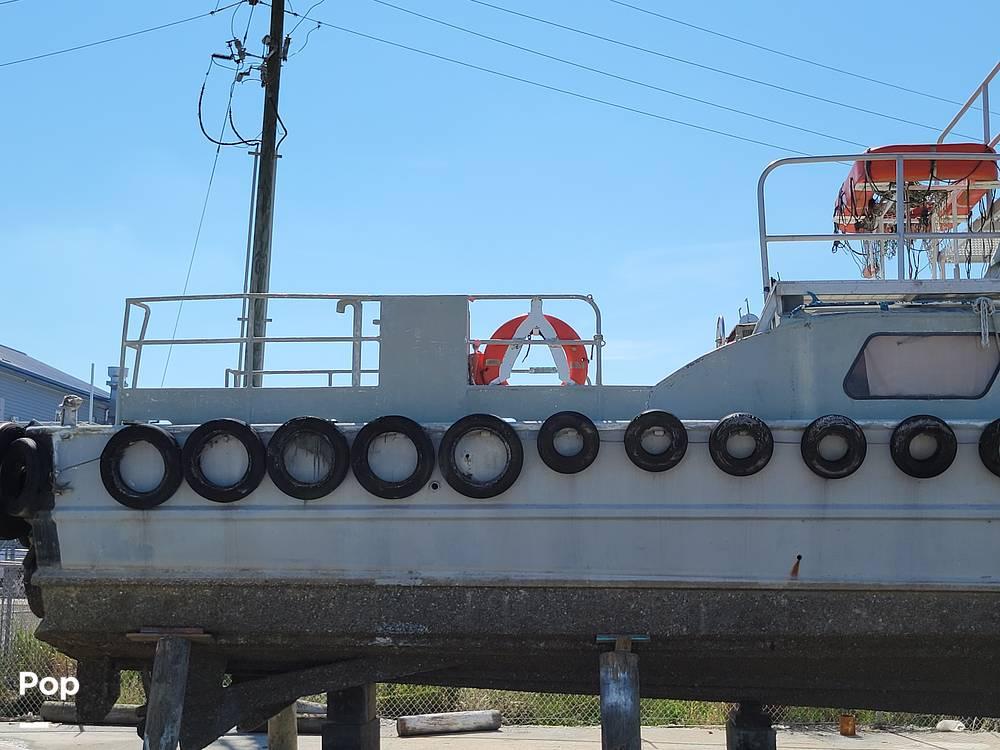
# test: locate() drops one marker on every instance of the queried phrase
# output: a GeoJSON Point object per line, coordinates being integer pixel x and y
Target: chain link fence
{"type": "Point", "coordinates": [20, 652]}
{"type": "Point", "coordinates": [570, 710]}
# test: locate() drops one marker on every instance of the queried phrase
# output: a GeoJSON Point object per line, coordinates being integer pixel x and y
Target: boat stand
{"type": "Point", "coordinates": [619, 670]}
{"type": "Point", "coordinates": [188, 704]}
{"type": "Point", "coordinates": [165, 702]}
{"type": "Point", "coordinates": [283, 730]}
{"type": "Point", "coordinates": [750, 729]}
{"type": "Point", "coordinates": [352, 723]}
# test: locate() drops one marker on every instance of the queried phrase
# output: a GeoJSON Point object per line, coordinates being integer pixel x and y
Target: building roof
{"type": "Point", "coordinates": [19, 362]}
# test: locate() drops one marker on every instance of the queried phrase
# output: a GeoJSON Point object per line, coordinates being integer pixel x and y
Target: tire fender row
{"type": "Point", "coordinates": [654, 441]}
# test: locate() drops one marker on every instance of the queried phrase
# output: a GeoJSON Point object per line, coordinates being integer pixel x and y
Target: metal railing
{"type": "Point", "coordinates": [900, 235]}
{"type": "Point", "coordinates": [238, 375]}
{"type": "Point", "coordinates": [242, 376]}
{"type": "Point", "coordinates": [983, 93]}
{"type": "Point", "coordinates": [596, 342]}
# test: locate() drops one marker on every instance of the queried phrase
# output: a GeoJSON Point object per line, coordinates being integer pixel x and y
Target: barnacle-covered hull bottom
{"type": "Point", "coordinates": [921, 651]}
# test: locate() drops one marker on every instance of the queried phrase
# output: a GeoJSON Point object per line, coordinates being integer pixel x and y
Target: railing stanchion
{"type": "Point", "coordinates": [247, 349]}
{"type": "Point", "coordinates": [900, 220]}
{"type": "Point", "coordinates": [986, 113]}
{"type": "Point", "coordinates": [355, 348]}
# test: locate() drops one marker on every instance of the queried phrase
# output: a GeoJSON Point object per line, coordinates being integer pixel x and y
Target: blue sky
{"type": "Point", "coordinates": [405, 174]}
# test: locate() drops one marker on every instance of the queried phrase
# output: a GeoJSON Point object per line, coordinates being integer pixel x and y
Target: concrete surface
{"type": "Point", "coordinates": [14, 736]}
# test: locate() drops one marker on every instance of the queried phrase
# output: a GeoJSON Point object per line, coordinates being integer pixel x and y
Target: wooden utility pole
{"type": "Point", "coordinates": [260, 264]}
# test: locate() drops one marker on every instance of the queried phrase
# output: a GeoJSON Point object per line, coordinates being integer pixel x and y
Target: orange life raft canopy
{"type": "Point", "coordinates": [869, 182]}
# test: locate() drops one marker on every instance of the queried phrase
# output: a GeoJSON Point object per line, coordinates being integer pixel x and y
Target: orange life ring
{"type": "Point", "coordinates": [485, 366]}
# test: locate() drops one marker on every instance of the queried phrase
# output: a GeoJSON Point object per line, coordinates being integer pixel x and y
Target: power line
{"type": "Point", "coordinates": [702, 66]}
{"type": "Point", "coordinates": [53, 53]}
{"type": "Point", "coordinates": [547, 87]}
{"type": "Point", "coordinates": [599, 71]}
{"type": "Point", "coordinates": [201, 223]}
{"type": "Point", "coordinates": [302, 18]}
{"type": "Point", "coordinates": [790, 56]}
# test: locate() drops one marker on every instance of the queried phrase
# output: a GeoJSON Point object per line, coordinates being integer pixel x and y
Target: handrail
{"type": "Point", "coordinates": [239, 374]}
{"type": "Point", "coordinates": [982, 90]}
{"type": "Point", "coordinates": [356, 339]}
{"type": "Point", "coordinates": [901, 235]}
{"type": "Point", "coordinates": [343, 300]}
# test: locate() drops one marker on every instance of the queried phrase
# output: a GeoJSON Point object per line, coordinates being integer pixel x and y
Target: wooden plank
{"type": "Point", "coordinates": [62, 712]}
{"type": "Point", "coordinates": [446, 723]}
{"type": "Point", "coordinates": [153, 635]}
{"type": "Point", "coordinates": [166, 696]}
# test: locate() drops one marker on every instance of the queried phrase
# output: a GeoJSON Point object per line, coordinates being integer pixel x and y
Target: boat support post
{"type": "Point", "coordinates": [283, 730]}
{"type": "Point", "coordinates": [619, 671]}
{"type": "Point", "coordinates": [750, 729]}
{"type": "Point", "coordinates": [352, 722]}
{"type": "Point", "coordinates": [165, 705]}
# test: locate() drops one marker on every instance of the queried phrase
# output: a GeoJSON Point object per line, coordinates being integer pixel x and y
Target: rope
{"type": "Point", "coordinates": [986, 309]}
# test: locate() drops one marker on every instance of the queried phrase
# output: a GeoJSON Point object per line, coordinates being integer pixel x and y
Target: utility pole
{"type": "Point", "coordinates": [260, 264]}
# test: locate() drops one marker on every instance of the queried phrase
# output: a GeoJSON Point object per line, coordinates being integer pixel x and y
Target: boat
{"type": "Point", "coordinates": [808, 514]}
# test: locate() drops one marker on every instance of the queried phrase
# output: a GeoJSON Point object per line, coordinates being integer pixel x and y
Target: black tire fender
{"type": "Point", "coordinates": [114, 451]}
{"type": "Point", "coordinates": [989, 446]}
{"type": "Point", "coordinates": [14, 528]}
{"type": "Point", "coordinates": [9, 432]}
{"type": "Point", "coordinates": [741, 424]}
{"type": "Point", "coordinates": [655, 419]}
{"type": "Point", "coordinates": [199, 439]}
{"type": "Point", "coordinates": [363, 470]}
{"type": "Point", "coordinates": [571, 420]}
{"type": "Point", "coordinates": [834, 425]}
{"type": "Point", "coordinates": [31, 592]}
{"type": "Point", "coordinates": [10, 527]}
{"type": "Point", "coordinates": [326, 431]}
{"type": "Point", "coordinates": [25, 478]}
{"type": "Point", "coordinates": [460, 480]}
{"type": "Point", "coordinates": [912, 427]}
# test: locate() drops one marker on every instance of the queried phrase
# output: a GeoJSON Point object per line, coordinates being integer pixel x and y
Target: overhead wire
{"type": "Point", "coordinates": [108, 40]}
{"type": "Point", "coordinates": [201, 122]}
{"type": "Point", "coordinates": [305, 43]}
{"type": "Point", "coordinates": [545, 86]}
{"type": "Point", "coordinates": [197, 234]}
{"type": "Point", "coordinates": [615, 76]}
{"type": "Point", "coordinates": [311, 9]}
{"type": "Point", "coordinates": [219, 142]}
{"type": "Point", "coordinates": [790, 56]}
{"type": "Point", "coordinates": [702, 66]}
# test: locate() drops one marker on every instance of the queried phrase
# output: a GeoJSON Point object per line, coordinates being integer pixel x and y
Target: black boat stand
{"type": "Point", "coordinates": [750, 729]}
{"type": "Point", "coordinates": [188, 705]}
{"type": "Point", "coordinates": [619, 671]}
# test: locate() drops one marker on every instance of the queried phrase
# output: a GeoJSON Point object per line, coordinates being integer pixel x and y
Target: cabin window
{"type": "Point", "coordinates": [893, 365]}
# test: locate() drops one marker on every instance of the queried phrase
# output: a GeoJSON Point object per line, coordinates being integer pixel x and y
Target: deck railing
{"type": "Point", "coordinates": [901, 234]}
{"type": "Point", "coordinates": [242, 376]}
